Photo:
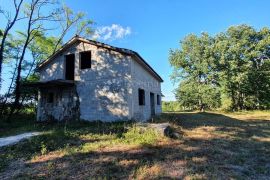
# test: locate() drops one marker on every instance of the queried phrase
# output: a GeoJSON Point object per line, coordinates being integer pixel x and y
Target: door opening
{"type": "Point", "coordinates": [152, 103]}
{"type": "Point", "coordinates": [70, 65]}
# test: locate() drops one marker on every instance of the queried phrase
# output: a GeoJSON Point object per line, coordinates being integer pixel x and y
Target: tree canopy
{"type": "Point", "coordinates": [229, 70]}
{"type": "Point", "coordinates": [22, 49]}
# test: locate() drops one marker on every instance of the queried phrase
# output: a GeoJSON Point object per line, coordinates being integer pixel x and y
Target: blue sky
{"type": "Point", "coordinates": [152, 27]}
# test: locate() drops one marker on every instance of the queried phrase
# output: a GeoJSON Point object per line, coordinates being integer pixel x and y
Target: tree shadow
{"type": "Point", "coordinates": [173, 160]}
{"type": "Point", "coordinates": [213, 146]}
{"type": "Point", "coordinates": [110, 164]}
{"type": "Point", "coordinates": [221, 122]}
{"type": "Point", "coordinates": [59, 135]}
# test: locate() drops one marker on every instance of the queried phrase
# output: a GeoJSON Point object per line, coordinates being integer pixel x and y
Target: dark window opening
{"type": "Point", "coordinates": [50, 98]}
{"type": "Point", "coordinates": [141, 97]}
{"type": "Point", "coordinates": [85, 59]}
{"type": "Point", "coordinates": [70, 65]}
{"type": "Point", "coordinates": [158, 99]}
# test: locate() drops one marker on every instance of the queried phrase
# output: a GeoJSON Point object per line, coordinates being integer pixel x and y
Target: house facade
{"type": "Point", "coordinates": [90, 81]}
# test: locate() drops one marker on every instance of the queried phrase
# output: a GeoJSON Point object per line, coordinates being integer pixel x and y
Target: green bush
{"type": "Point", "coordinates": [171, 106]}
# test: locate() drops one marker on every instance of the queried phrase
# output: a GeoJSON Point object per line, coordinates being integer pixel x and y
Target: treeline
{"type": "Point", "coordinates": [32, 31]}
{"type": "Point", "coordinates": [171, 106]}
{"type": "Point", "coordinates": [230, 70]}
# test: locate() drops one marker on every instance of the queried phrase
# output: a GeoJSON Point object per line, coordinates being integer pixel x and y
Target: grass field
{"type": "Point", "coordinates": [212, 145]}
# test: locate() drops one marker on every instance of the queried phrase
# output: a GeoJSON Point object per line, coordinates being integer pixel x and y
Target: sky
{"type": "Point", "coordinates": [153, 27]}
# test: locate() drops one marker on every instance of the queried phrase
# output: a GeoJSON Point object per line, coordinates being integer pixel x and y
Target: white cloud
{"type": "Point", "coordinates": [113, 32]}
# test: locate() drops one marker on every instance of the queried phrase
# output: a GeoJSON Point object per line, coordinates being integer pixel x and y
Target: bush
{"type": "Point", "coordinates": [171, 106]}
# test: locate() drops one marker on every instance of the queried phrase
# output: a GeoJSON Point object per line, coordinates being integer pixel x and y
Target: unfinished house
{"type": "Point", "coordinates": [89, 80]}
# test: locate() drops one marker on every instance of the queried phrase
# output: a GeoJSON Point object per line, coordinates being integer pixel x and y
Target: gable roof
{"type": "Point", "coordinates": [124, 51]}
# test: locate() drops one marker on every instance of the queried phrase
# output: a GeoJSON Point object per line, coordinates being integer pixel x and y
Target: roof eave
{"type": "Point", "coordinates": [69, 43]}
{"type": "Point", "coordinates": [150, 69]}
{"type": "Point", "coordinates": [120, 50]}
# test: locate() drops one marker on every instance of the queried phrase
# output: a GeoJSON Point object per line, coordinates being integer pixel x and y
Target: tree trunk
{"type": "Point", "coordinates": [29, 72]}
{"type": "Point", "coordinates": [8, 27]}
{"type": "Point", "coordinates": [16, 104]}
{"type": "Point", "coordinates": [2, 54]}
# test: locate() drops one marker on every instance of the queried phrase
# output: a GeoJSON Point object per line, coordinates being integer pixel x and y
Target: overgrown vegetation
{"type": "Point", "coordinates": [69, 140]}
{"type": "Point", "coordinates": [212, 145]}
{"type": "Point", "coordinates": [229, 70]}
{"type": "Point", "coordinates": [21, 50]}
{"type": "Point", "coordinates": [171, 106]}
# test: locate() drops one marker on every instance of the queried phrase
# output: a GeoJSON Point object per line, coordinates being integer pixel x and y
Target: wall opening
{"type": "Point", "coordinates": [50, 97]}
{"type": "Point", "coordinates": [85, 60]}
{"type": "Point", "coordinates": [152, 103]}
{"type": "Point", "coordinates": [158, 99]}
{"type": "Point", "coordinates": [70, 67]}
{"type": "Point", "coordinates": [141, 97]}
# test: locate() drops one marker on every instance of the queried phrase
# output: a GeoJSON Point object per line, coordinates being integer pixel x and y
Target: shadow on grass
{"type": "Point", "coordinates": [214, 146]}
{"type": "Point", "coordinates": [56, 136]}
{"type": "Point", "coordinates": [222, 122]}
{"type": "Point", "coordinates": [195, 159]}
{"type": "Point", "coordinates": [111, 164]}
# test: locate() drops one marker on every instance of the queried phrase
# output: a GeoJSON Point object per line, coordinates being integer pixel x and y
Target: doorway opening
{"type": "Point", "coordinates": [70, 67]}
{"type": "Point", "coordinates": [152, 103]}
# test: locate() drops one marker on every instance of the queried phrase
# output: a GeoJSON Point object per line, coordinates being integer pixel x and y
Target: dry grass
{"type": "Point", "coordinates": [219, 145]}
{"type": "Point", "coordinates": [212, 146]}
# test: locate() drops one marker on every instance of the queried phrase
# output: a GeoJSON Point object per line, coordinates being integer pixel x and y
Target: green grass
{"type": "Point", "coordinates": [227, 145]}
{"type": "Point", "coordinates": [24, 122]}
{"type": "Point", "coordinates": [72, 140]}
{"type": "Point", "coordinates": [213, 145]}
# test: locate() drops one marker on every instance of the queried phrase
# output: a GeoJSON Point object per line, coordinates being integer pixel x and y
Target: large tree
{"type": "Point", "coordinates": [4, 33]}
{"type": "Point", "coordinates": [243, 61]}
{"type": "Point", "coordinates": [40, 18]}
{"type": "Point", "coordinates": [194, 66]}
{"type": "Point", "coordinates": [230, 69]}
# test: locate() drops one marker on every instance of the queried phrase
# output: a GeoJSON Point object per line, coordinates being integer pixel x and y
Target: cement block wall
{"type": "Point", "coordinates": [109, 90]}
{"type": "Point", "coordinates": [142, 79]}
{"type": "Point", "coordinates": [56, 68]}
{"type": "Point", "coordinates": [104, 89]}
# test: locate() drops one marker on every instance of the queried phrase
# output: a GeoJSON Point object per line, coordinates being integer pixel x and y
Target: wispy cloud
{"type": "Point", "coordinates": [110, 33]}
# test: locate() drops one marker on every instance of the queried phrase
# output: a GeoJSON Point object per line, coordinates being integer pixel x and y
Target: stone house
{"type": "Point", "coordinates": [89, 80]}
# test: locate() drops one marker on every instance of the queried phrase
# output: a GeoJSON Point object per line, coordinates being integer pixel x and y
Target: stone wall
{"type": "Point", "coordinates": [65, 105]}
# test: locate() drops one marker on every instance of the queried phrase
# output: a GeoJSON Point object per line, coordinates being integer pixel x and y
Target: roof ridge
{"type": "Point", "coordinates": [104, 45]}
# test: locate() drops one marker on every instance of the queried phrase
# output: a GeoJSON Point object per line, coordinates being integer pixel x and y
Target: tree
{"type": "Point", "coordinates": [11, 54]}
{"type": "Point", "coordinates": [34, 44]}
{"type": "Point", "coordinates": [67, 19]}
{"type": "Point", "coordinates": [242, 54]}
{"type": "Point", "coordinates": [195, 64]}
{"type": "Point", "coordinates": [171, 106]}
{"type": "Point", "coordinates": [10, 23]}
{"type": "Point", "coordinates": [230, 69]}
{"type": "Point", "coordinates": [192, 97]}
{"type": "Point", "coordinates": [35, 24]}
